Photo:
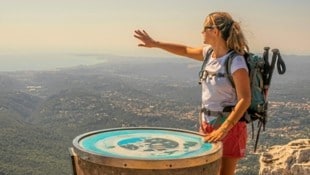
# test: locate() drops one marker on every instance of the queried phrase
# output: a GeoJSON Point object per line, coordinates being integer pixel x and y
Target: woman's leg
{"type": "Point", "coordinates": [229, 165]}
{"type": "Point", "coordinates": [234, 145]}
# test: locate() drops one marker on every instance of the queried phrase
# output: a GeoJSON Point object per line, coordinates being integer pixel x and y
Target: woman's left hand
{"type": "Point", "coordinates": [216, 135]}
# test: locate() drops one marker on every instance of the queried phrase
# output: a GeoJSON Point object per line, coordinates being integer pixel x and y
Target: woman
{"type": "Point", "coordinates": [225, 37]}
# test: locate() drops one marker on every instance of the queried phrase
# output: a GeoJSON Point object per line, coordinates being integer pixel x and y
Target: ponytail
{"type": "Point", "coordinates": [236, 40]}
{"type": "Point", "coordinates": [230, 31]}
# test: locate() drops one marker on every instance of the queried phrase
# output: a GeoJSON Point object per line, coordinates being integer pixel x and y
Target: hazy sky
{"type": "Point", "coordinates": [106, 26]}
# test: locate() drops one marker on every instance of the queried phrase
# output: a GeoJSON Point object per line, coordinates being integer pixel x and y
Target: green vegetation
{"type": "Point", "coordinates": [42, 112]}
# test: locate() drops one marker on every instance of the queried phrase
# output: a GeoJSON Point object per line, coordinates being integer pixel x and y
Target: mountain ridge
{"type": "Point", "coordinates": [40, 118]}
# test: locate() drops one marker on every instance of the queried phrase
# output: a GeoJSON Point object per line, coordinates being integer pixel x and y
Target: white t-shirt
{"type": "Point", "coordinates": [217, 92]}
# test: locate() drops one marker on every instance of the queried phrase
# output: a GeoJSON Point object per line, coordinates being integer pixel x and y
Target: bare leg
{"type": "Point", "coordinates": [229, 165]}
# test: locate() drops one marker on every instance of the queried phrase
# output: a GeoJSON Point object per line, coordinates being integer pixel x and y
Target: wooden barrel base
{"type": "Point", "coordinates": [144, 151]}
{"type": "Point", "coordinates": [83, 167]}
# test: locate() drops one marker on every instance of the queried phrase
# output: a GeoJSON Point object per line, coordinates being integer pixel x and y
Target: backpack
{"type": "Point", "coordinates": [260, 74]}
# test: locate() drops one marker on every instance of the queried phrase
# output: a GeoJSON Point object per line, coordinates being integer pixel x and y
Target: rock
{"type": "Point", "coordinates": [290, 159]}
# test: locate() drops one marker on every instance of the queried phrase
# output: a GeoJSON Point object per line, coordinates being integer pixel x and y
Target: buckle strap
{"type": "Point", "coordinates": [208, 112]}
{"type": "Point", "coordinates": [220, 116]}
{"type": "Point", "coordinates": [211, 113]}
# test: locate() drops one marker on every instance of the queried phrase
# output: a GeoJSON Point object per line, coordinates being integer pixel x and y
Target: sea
{"type": "Point", "coordinates": [46, 62]}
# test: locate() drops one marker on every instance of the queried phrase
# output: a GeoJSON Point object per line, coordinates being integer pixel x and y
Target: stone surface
{"type": "Point", "coordinates": [290, 159]}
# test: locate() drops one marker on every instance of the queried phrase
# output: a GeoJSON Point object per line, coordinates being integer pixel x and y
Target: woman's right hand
{"type": "Point", "coordinates": [178, 49]}
{"type": "Point", "coordinates": [143, 36]}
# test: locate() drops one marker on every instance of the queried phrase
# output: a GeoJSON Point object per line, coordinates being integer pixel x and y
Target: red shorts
{"type": "Point", "coordinates": [234, 143]}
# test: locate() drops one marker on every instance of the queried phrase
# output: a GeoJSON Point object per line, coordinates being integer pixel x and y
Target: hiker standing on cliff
{"type": "Point", "coordinates": [222, 105]}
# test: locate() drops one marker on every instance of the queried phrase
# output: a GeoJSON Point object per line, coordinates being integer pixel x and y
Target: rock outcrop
{"type": "Point", "coordinates": [290, 159]}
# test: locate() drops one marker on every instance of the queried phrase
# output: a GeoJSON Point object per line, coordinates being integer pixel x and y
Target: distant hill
{"type": "Point", "coordinates": [8, 83]}
{"type": "Point", "coordinates": [42, 111]}
{"type": "Point", "coordinates": [18, 102]}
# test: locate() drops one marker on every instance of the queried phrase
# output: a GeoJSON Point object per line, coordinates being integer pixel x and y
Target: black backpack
{"type": "Point", "coordinates": [260, 73]}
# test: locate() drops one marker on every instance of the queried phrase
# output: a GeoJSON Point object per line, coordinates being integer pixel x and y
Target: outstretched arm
{"type": "Point", "coordinates": [178, 49]}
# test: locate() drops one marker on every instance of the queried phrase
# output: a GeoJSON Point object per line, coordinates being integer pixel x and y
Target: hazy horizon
{"type": "Point", "coordinates": [40, 35]}
{"type": "Point", "coordinates": [56, 61]}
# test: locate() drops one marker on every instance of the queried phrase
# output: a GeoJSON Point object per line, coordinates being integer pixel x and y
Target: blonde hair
{"type": "Point", "coordinates": [230, 30]}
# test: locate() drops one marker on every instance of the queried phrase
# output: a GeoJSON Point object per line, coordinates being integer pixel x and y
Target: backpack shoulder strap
{"type": "Point", "coordinates": [228, 64]}
{"type": "Point", "coordinates": [205, 61]}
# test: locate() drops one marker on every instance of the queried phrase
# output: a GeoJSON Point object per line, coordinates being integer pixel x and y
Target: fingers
{"type": "Point", "coordinates": [215, 136]}
{"type": "Point", "coordinates": [138, 34]}
{"type": "Point", "coordinates": [145, 33]}
{"type": "Point", "coordinates": [142, 45]}
{"type": "Point", "coordinates": [211, 138]}
{"type": "Point", "coordinates": [143, 36]}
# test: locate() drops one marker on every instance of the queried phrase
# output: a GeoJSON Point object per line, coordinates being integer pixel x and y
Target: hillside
{"type": "Point", "coordinates": [41, 112]}
{"type": "Point", "coordinates": [29, 149]}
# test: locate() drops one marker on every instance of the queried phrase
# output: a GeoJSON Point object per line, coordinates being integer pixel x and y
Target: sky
{"type": "Point", "coordinates": [106, 26]}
